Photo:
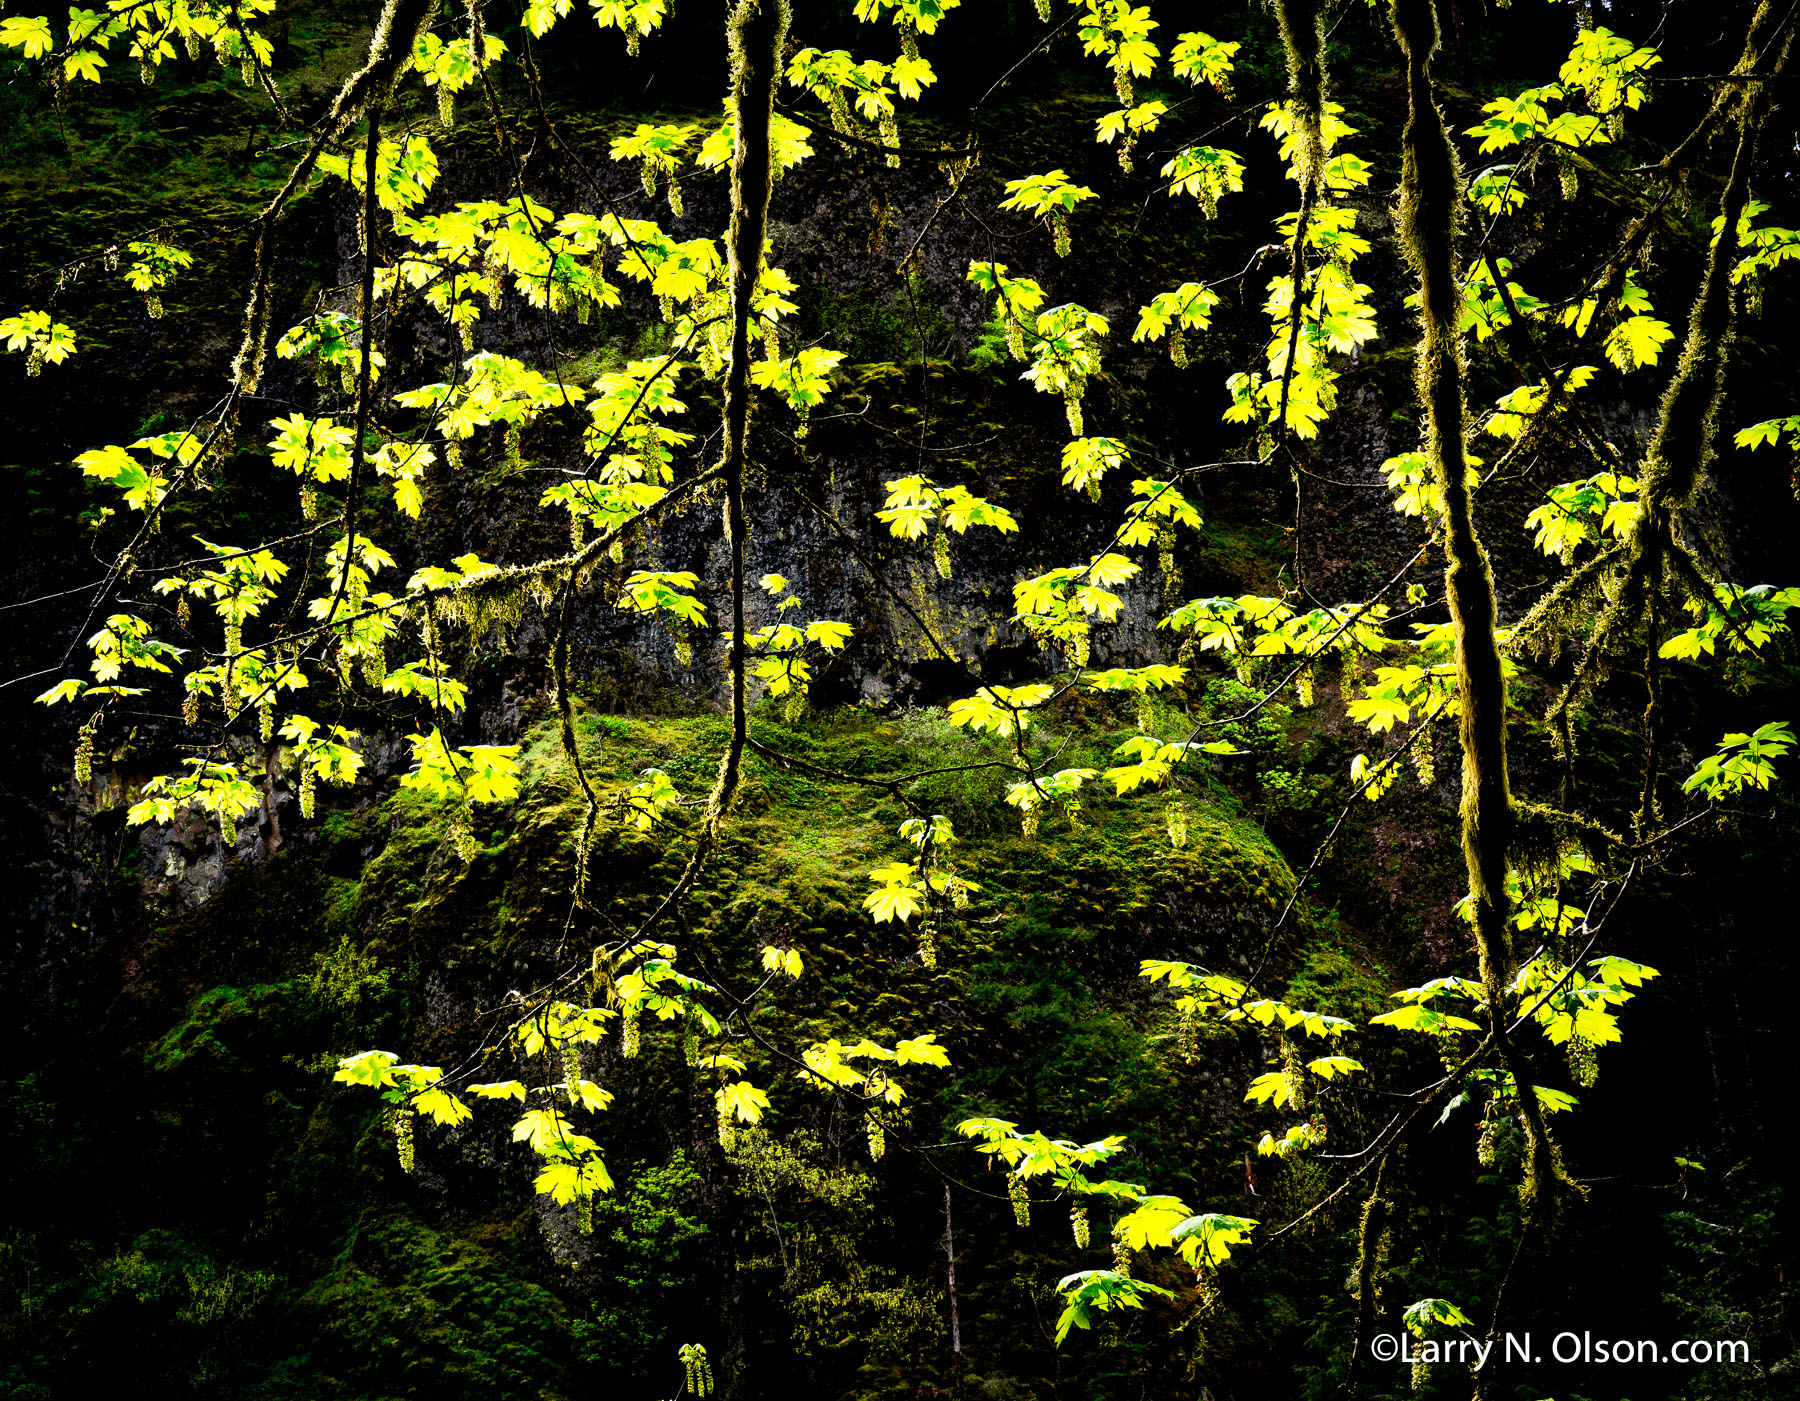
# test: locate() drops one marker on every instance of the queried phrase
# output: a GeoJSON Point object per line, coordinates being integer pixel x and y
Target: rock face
{"type": "Point", "coordinates": [928, 390]}
{"type": "Point", "coordinates": [912, 406]}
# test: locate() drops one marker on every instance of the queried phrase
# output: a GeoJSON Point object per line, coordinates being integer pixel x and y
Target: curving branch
{"type": "Point", "coordinates": [757, 31]}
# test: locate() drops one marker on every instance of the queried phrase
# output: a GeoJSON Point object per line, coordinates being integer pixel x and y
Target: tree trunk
{"type": "Point", "coordinates": [1431, 192]}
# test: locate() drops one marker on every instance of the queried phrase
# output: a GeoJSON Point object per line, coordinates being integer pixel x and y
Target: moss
{"type": "Point", "coordinates": [1243, 557]}
{"type": "Point", "coordinates": [413, 1311]}
{"type": "Point", "coordinates": [903, 326]}
{"type": "Point", "coordinates": [1336, 980]}
{"type": "Point", "coordinates": [221, 1026]}
{"type": "Point", "coordinates": [805, 841]}
{"type": "Point", "coordinates": [342, 903]}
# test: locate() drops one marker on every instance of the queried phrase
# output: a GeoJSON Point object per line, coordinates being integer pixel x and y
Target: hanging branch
{"type": "Point", "coordinates": [1303, 39]}
{"type": "Point", "coordinates": [365, 362]}
{"type": "Point", "coordinates": [757, 31]}
{"type": "Point", "coordinates": [1371, 1250]}
{"type": "Point", "coordinates": [390, 50]}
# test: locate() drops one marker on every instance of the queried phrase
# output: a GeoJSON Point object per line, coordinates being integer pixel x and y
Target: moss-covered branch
{"type": "Point", "coordinates": [1645, 576]}
{"type": "Point", "coordinates": [390, 50]}
{"type": "Point", "coordinates": [1371, 1255]}
{"type": "Point", "coordinates": [1303, 39]}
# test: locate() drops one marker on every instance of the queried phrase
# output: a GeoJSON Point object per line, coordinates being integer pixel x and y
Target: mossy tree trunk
{"type": "Point", "coordinates": [1431, 194]}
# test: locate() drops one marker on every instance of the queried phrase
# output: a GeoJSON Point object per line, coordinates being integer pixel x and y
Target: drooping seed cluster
{"type": "Point", "coordinates": [403, 1137]}
{"type": "Point", "coordinates": [1178, 823]}
{"type": "Point", "coordinates": [1121, 1252]}
{"type": "Point", "coordinates": [697, 1371]}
